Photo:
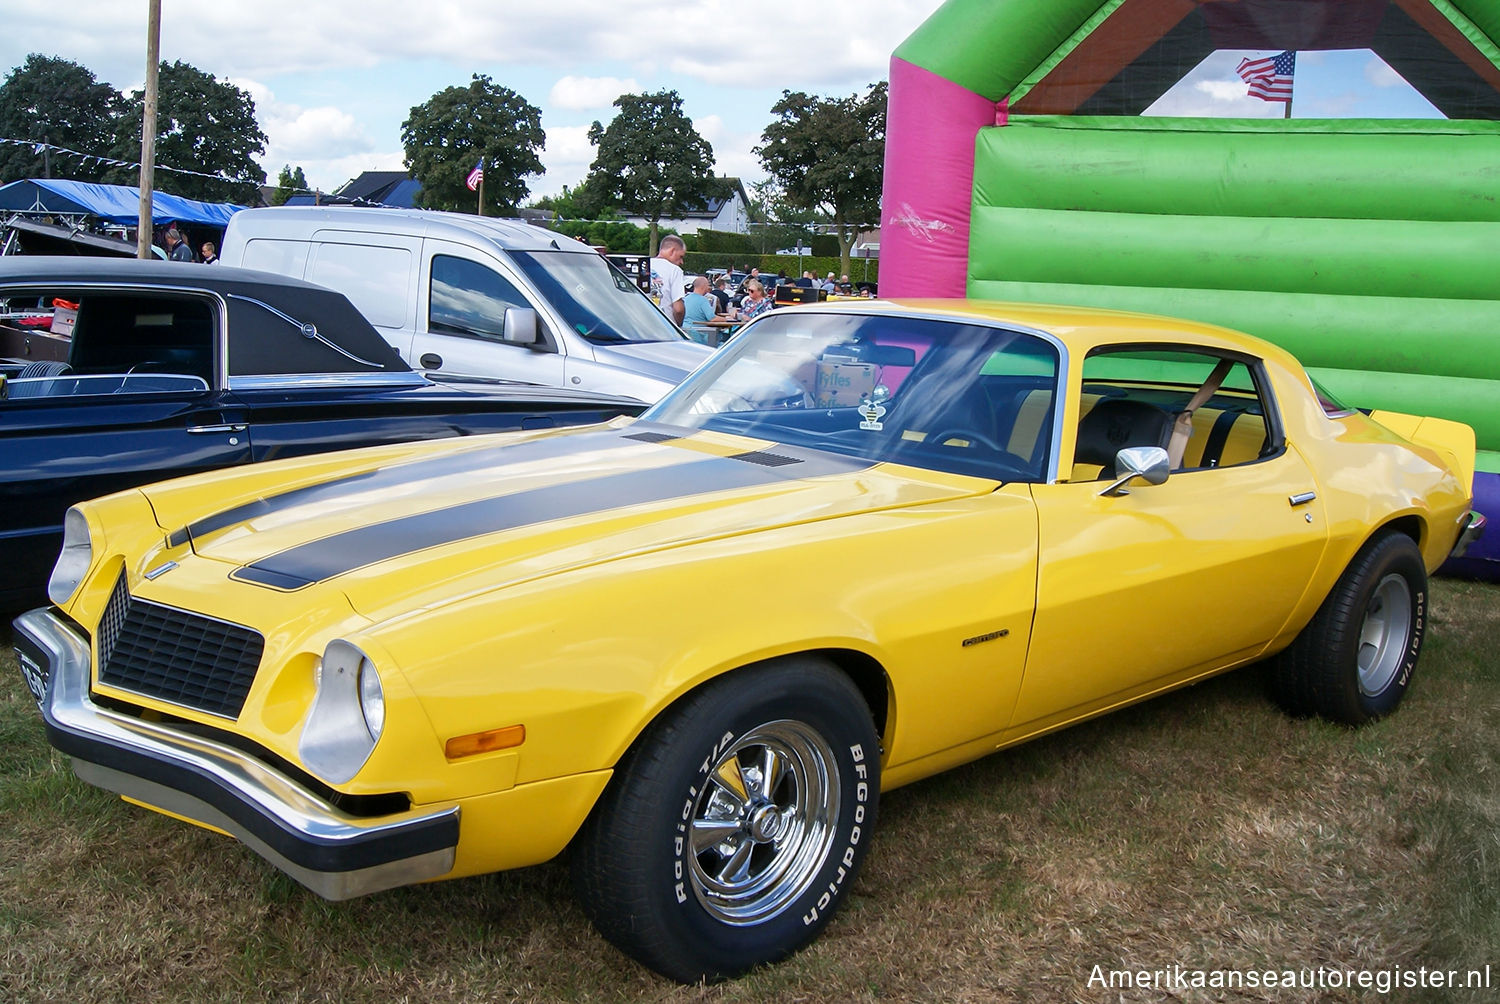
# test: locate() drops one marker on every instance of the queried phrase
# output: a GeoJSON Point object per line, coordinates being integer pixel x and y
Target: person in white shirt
{"type": "Point", "coordinates": [666, 277]}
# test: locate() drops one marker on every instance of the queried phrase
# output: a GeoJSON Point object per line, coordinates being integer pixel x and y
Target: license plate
{"type": "Point", "coordinates": [35, 673]}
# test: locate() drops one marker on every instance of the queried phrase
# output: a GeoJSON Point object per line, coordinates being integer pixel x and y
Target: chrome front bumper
{"type": "Point", "coordinates": [336, 855]}
{"type": "Point", "coordinates": [1472, 530]}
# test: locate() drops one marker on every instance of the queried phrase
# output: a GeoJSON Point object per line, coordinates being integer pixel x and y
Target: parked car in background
{"type": "Point", "coordinates": [469, 295]}
{"type": "Point", "coordinates": [115, 373]}
{"type": "Point", "coordinates": [863, 544]}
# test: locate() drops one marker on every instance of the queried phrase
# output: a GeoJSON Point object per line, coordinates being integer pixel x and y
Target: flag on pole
{"type": "Point", "coordinates": [476, 176]}
{"type": "Point", "coordinates": [1270, 79]}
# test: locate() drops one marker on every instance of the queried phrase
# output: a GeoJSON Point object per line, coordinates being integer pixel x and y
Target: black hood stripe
{"type": "Point", "coordinates": [319, 560]}
{"type": "Point", "coordinates": [486, 459]}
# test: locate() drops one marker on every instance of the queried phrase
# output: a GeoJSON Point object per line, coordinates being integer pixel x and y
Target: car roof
{"type": "Point", "coordinates": [508, 234]}
{"type": "Point", "coordinates": [267, 312]}
{"type": "Point", "coordinates": [1080, 328]}
{"type": "Point", "coordinates": [76, 268]}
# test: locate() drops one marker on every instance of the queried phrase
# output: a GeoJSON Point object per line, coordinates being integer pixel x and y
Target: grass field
{"type": "Point", "coordinates": [1204, 830]}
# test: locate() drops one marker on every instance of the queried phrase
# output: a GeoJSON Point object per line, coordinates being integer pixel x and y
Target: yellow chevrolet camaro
{"type": "Point", "coordinates": [864, 543]}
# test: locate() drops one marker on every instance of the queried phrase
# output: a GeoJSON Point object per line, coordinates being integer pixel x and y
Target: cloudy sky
{"type": "Point", "coordinates": [333, 79]}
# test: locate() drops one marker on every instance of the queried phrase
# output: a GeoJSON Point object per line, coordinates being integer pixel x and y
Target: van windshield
{"type": "Point", "coordinates": [595, 299]}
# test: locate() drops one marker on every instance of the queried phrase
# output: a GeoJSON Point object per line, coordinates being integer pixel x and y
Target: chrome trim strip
{"type": "Point", "coordinates": [67, 708]}
{"type": "Point", "coordinates": [1301, 498]}
{"type": "Point", "coordinates": [277, 381]}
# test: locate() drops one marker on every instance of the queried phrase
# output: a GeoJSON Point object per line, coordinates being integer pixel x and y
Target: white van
{"type": "Point", "coordinates": [473, 296]}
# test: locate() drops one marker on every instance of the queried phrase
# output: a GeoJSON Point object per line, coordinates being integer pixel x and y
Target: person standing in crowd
{"type": "Point", "coordinates": [806, 282]}
{"type": "Point", "coordinates": [756, 302]}
{"type": "Point", "coordinates": [666, 277]}
{"type": "Point", "coordinates": [177, 249]}
{"type": "Point", "coordinates": [697, 309]}
{"type": "Point", "coordinates": [210, 254]}
{"type": "Point", "coordinates": [828, 284]}
{"type": "Point", "coordinates": [720, 293]}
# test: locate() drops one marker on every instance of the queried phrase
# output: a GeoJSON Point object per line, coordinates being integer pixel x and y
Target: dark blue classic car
{"type": "Point", "coordinates": [118, 373]}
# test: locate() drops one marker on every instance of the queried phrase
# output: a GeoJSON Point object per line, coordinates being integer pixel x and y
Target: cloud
{"type": "Point", "coordinates": [589, 93]}
{"type": "Point", "coordinates": [1379, 74]}
{"type": "Point", "coordinates": [323, 141]}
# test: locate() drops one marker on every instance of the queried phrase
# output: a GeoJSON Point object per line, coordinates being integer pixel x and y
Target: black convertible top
{"type": "Point", "coordinates": [263, 341]}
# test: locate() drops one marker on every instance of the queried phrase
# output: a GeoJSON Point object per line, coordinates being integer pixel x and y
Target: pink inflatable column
{"type": "Point", "coordinates": [929, 182]}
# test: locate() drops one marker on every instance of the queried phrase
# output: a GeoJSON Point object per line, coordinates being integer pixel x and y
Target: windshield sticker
{"type": "Point", "coordinates": [872, 411]}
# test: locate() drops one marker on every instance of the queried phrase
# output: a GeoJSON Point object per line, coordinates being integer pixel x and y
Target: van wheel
{"type": "Point", "coordinates": [734, 828]}
{"type": "Point", "coordinates": [1354, 661]}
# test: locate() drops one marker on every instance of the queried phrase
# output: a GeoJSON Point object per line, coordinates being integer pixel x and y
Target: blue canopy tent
{"type": "Point", "coordinates": [115, 203]}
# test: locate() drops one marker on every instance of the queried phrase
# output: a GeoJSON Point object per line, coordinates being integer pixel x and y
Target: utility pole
{"type": "Point", "coordinates": [148, 131]}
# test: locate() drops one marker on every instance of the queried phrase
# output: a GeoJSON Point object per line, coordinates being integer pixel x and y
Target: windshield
{"type": "Point", "coordinates": [943, 394]}
{"type": "Point", "coordinates": [596, 299]}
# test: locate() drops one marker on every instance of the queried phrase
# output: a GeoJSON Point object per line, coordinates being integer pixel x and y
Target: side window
{"type": "Point", "coordinates": [470, 299]}
{"type": "Point", "coordinates": [1137, 397]}
{"type": "Point", "coordinates": [116, 343]}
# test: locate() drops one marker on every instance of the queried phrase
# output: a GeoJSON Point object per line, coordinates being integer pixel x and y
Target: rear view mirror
{"type": "Point", "coordinates": [521, 326]}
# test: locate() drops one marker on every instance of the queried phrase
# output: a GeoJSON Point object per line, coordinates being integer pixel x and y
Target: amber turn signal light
{"type": "Point", "coordinates": [484, 742]}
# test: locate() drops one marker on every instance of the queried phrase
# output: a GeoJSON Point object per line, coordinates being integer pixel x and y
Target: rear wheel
{"type": "Point", "coordinates": [736, 825]}
{"type": "Point", "coordinates": [1354, 660]}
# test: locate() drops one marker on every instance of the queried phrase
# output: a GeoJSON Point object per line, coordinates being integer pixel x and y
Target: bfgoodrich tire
{"type": "Point", "coordinates": [1354, 661]}
{"type": "Point", "coordinates": [736, 825]}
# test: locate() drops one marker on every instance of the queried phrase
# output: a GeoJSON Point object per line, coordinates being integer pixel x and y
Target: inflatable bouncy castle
{"type": "Point", "coordinates": [1019, 167]}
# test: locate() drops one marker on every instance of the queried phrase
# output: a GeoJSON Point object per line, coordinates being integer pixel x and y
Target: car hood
{"type": "Point", "coordinates": [667, 361]}
{"type": "Point", "coordinates": [416, 528]}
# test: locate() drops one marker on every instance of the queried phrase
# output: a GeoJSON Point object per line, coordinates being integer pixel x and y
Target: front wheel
{"type": "Point", "coordinates": [1354, 660]}
{"type": "Point", "coordinates": [736, 825]}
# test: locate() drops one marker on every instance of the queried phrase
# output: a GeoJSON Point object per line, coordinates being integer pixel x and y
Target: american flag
{"type": "Point", "coordinates": [476, 176]}
{"type": "Point", "coordinates": [1270, 79]}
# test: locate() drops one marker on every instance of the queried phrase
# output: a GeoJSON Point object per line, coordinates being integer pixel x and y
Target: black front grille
{"type": "Point", "coordinates": [176, 656]}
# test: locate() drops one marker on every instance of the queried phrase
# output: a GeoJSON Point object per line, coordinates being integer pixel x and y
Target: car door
{"type": "Point", "coordinates": [1142, 590]}
{"type": "Point", "coordinates": [464, 296]}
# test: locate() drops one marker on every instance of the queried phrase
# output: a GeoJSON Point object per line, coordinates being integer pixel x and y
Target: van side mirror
{"type": "Point", "coordinates": [521, 327]}
{"type": "Point", "coordinates": [1149, 463]}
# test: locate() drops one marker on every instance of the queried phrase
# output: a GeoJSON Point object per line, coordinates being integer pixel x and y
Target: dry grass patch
{"type": "Point", "coordinates": [1205, 829]}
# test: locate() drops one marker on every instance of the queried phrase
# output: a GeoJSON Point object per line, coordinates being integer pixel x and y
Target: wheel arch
{"type": "Point", "coordinates": [863, 670]}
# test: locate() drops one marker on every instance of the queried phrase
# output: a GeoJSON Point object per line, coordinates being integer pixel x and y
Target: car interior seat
{"type": "Point", "coordinates": [1116, 423]}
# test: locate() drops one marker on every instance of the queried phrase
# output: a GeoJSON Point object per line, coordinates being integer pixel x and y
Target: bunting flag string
{"type": "Point", "coordinates": [85, 158]}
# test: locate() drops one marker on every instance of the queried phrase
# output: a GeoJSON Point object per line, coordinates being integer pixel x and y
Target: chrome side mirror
{"type": "Point", "coordinates": [1148, 462]}
{"type": "Point", "coordinates": [520, 326]}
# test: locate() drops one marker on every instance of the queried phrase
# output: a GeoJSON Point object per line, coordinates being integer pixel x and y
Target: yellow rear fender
{"type": "Point", "coordinates": [1452, 441]}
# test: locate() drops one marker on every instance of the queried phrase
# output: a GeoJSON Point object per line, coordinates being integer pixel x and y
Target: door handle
{"type": "Point", "coordinates": [201, 430]}
{"type": "Point", "coordinates": [1301, 498]}
{"type": "Point", "coordinates": [431, 361]}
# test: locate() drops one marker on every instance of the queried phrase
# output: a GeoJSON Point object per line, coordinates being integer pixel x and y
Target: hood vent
{"type": "Point", "coordinates": [652, 437]}
{"type": "Point", "coordinates": [764, 459]}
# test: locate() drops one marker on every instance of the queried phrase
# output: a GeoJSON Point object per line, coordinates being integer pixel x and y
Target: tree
{"type": "Point", "coordinates": [56, 101]}
{"type": "Point", "coordinates": [569, 205]}
{"type": "Point", "coordinates": [651, 161]}
{"type": "Point", "coordinates": [828, 155]}
{"type": "Point", "coordinates": [203, 125]}
{"type": "Point", "coordinates": [289, 182]}
{"type": "Point", "coordinates": [446, 136]}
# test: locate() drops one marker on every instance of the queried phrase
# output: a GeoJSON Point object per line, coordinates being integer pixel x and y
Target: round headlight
{"type": "Point", "coordinates": [371, 698]}
{"type": "Point", "coordinates": [73, 563]}
{"type": "Point", "coordinates": [347, 714]}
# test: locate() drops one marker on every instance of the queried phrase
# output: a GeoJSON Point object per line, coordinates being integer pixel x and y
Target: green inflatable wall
{"type": "Point", "coordinates": [1371, 249]}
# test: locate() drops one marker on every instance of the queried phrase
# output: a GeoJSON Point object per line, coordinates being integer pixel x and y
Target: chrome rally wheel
{"type": "Point", "coordinates": [1384, 635]}
{"type": "Point", "coordinates": [735, 826]}
{"type": "Point", "coordinates": [763, 827]}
